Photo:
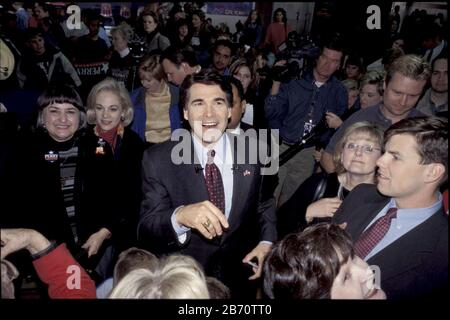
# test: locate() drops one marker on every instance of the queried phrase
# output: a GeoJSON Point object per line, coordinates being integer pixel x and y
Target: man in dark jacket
{"type": "Point", "coordinates": [400, 226]}
{"type": "Point", "coordinates": [297, 106]}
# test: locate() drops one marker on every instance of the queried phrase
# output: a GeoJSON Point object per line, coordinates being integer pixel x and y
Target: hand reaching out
{"type": "Point", "coordinates": [322, 208]}
{"type": "Point", "coordinates": [95, 241]}
{"type": "Point", "coordinates": [204, 217]}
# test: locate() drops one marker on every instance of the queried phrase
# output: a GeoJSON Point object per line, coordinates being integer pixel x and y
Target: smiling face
{"type": "Point", "coordinates": [207, 111]}
{"type": "Point", "coordinates": [354, 281]}
{"type": "Point", "coordinates": [108, 110]}
{"type": "Point", "coordinates": [369, 95]}
{"type": "Point", "coordinates": [61, 121]}
{"type": "Point", "coordinates": [356, 157]}
{"type": "Point", "coordinates": [37, 44]}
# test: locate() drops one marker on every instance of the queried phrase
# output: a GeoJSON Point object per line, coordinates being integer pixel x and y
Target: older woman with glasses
{"type": "Point", "coordinates": [321, 194]}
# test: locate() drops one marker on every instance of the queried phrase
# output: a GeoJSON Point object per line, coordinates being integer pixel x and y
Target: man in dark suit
{"type": "Point", "coordinates": [402, 228]}
{"type": "Point", "coordinates": [201, 197]}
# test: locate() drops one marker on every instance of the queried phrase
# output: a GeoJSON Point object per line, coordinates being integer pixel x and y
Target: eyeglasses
{"type": "Point", "coordinates": [367, 149]}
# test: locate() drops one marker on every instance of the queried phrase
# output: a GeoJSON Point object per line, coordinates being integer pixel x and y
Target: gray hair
{"type": "Point", "coordinates": [124, 30]}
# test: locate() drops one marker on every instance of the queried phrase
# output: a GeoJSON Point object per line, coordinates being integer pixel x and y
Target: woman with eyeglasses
{"type": "Point", "coordinates": [321, 194]}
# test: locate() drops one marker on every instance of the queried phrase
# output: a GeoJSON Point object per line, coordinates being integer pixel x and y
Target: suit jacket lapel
{"type": "Point", "coordinates": [191, 174]}
{"type": "Point", "coordinates": [412, 246]}
{"type": "Point", "coordinates": [243, 175]}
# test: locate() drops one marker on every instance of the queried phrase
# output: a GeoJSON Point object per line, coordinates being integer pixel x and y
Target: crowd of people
{"type": "Point", "coordinates": [137, 157]}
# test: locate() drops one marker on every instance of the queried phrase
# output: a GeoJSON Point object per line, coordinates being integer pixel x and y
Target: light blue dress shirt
{"type": "Point", "coordinates": [406, 220]}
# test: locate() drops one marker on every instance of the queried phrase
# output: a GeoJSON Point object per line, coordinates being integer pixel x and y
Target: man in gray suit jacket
{"type": "Point", "coordinates": [225, 228]}
{"type": "Point", "coordinates": [411, 249]}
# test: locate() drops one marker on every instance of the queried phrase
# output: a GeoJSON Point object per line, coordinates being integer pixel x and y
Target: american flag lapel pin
{"type": "Point", "coordinates": [246, 173]}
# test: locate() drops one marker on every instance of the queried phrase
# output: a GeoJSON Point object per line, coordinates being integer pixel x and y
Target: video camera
{"type": "Point", "coordinates": [137, 48]}
{"type": "Point", "coordinates": [298, 51]}
{"type": "Point", "coordinates": [311, 137]}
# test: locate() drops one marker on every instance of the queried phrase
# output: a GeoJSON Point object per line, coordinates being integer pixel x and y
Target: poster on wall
{"type": "Point", "coordinates": [229, 8]}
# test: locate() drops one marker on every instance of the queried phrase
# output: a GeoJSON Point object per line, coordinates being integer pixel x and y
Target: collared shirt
{"type": "Point", "coordinates": [436, 51]}
{"type": "Point", "coordinates": [428, 107]}
{"type": "Point", "coordinates": [406, 220]}
{"type": "Point", "coordinates": [223, 160]}
{"type": "Point", "coordinates": [373, 115]}
{"type": "Point", "coordinates": [236, 130]}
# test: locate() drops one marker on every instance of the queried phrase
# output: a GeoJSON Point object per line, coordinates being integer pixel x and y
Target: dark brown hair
{"type": "Point", "coordinates": [207, 77]}
{"type": "Point", "coordinates": [431, 134]}
{"type": "Point", "coordinates": [304, 265]}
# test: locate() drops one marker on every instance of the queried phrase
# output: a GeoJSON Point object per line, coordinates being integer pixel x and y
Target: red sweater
{"type": "Point", "coordinates": [66, 279]}
{"type": "Point", "coordinates": [276, 35]}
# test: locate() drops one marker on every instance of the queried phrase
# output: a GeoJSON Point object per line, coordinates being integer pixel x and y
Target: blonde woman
{"type": "Point", "coordinates": [155, 103]}
{"type": "Point", "coordinates": [114, 154]}
{"type": "Point", "coordinates": [321, 194]}
{"type": "Point", "coordinates": [178, 277]}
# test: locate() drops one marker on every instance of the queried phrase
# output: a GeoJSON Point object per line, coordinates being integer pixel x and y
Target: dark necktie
{"type": "Point", "coordinates": [214, 183]}
{"type": "Point", "coordinates": [373, 235]}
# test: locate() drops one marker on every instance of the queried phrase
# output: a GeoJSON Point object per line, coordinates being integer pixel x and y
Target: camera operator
{"type": "Point", "coordinates": [297, 106]}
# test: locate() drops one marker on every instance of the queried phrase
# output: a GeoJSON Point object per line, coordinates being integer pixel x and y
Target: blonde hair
{"type": "Point", "coordinates": [411, 66]}
{"type": "Point", "coordinates": [118, 88]}
{"type": "Point", "coordinates": [151, 66]}
{"type": "Point", "coordinates": [178, 277]}
{"type": "Point", "coordinates": [373, 77]}
{"type": "Point", "coordinates": [374, 132]}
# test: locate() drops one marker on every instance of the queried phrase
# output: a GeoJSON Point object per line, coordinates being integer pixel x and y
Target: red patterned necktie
{"type": "Point", "coordinates": [214, 183]}
{"type": "Point", "coordinates": [373, 235]}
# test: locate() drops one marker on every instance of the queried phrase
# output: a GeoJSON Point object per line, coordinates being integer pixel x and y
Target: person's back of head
{"type": "Point", "coordinates": [304, 265]}
{"type": "Point", "coordinates": [178, 56]}
{"type": "Point", "coordinates": [216, 289]}
{"type": "Point", "coordinates": [177, 277]}
{"type": "Point", "coordinates": [131, 259]}
{"type": "Point", "coordinates": [183, 278]}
